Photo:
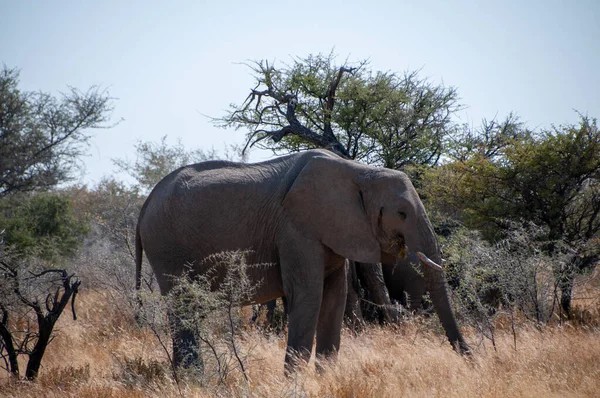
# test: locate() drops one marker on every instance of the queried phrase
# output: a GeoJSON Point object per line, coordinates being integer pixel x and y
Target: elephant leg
{"type": "Point", "coordinates": [271, 305]}
{"type": "Point", "coordinates": [186, 351]}
{"type": "Point", "coordinates": [331, 316]}
{"type": "Point", "coordinates": [372, 276]}
{"type": "Point", "coordinates": [353, 313]}
{"type": "Point", "coordinates": [285, 310]}
{"type": "Point", "coordinates": [302, 271]}
{"type": "Point", "coordinates": [303, 316]}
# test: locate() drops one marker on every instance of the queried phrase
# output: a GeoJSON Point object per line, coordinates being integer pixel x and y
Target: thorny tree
{"type": "Point", "coordinates": [32, 298]}
{"type": "Point", "coordinates": [41, 139]}
{"type": "Point", "coordinates": [209, 306]}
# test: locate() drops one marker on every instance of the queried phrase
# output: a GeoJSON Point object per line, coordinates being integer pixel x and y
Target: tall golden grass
{"type": "Point", "coordinates": [104, 354]}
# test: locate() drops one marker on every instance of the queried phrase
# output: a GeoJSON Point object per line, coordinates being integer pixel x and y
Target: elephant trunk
{"type": "Point", "coordinates": [426, 246]}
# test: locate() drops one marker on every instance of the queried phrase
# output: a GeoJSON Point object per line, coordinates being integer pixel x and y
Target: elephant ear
{"type": "Point", "coordinates": [325, 202]}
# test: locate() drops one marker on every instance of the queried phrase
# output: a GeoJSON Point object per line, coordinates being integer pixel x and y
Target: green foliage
{"type": "Point", "coordinates": [550, 178]}
{"type": "Point", "coordinates": [43, 225]}
{"type": "Point", "coordinates": [380, 118]}
{"type": "Point", "coordinates": [42, 136]}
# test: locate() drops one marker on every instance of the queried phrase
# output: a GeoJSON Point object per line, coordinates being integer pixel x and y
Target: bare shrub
{"type": "Point", "coordinates": [32, 298]}
{"type": "Point", "coordinates": [515, 274]}
{"type": "Point", "coordinates": [112, 210]}
{"type": "Point", "coordinates": [209, 305]}
{"type": "Point", "coordinates": [105, 262]}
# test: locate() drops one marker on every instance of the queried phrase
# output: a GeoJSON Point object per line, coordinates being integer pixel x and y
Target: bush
{"type": "Point", "coordinates": [107, 257]}
{"type": "Point", "coordinates": [210, 306]}
{"type": "Point", "coordinates": [515, 274]}
{"type": "Point", "coordinates": [44, 225]}
{"type": "Point", "coordinates": [138, 372]}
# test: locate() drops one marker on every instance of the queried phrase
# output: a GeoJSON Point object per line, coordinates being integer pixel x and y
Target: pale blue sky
{"type": "Point", "coordinates": [170, 62]}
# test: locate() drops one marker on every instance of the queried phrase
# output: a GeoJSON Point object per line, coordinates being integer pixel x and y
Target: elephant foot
{"type": "Point", "coordinates": [324, 360]}
{"type": "Point", "coordinates": [295, 361]}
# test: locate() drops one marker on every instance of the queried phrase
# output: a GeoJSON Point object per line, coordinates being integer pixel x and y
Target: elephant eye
{"type": "Point", "coordinates": [402, 214]}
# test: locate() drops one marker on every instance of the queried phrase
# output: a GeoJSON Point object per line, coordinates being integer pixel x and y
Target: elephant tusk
{"type": "Point", "coordinates": [425, 260]}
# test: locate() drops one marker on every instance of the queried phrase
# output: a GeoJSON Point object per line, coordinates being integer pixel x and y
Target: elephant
{"type": "Point", "coordinates": [370, 278]}
{"type": "Point", "coordinates": [405, 278]}
{"type": "Point", "coordinates": [304, 214]}
{"type": "Point", "coordinates": [406, 285]}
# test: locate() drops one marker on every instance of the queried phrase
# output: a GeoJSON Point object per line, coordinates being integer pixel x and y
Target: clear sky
{"type": "Point", "coordinates": [171, 62]}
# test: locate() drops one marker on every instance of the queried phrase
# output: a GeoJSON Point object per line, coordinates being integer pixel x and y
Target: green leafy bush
{"type": "Point", "coordinates": [43, 225]}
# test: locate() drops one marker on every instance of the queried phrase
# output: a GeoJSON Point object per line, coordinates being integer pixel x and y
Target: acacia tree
{"type": "Point", "coordinates": [41, 135]}
{"type": "Point", "coordinates": [34, 231]}
{"type": "Point", "coordinates": [381, 118]}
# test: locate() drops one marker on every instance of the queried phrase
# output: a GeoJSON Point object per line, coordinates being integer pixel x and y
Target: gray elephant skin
{"type": "Point", "coordinates": [303, 213]}
{"type": "Point", "coordinates": [405, 283]}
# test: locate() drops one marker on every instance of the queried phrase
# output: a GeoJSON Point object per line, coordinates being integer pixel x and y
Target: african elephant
{"type": "Point", "coordinates": [405, 278]}
{"type": "Point", "coordinates": [369, 279]}
{"type": "Point", "coordinates": [303, 213]}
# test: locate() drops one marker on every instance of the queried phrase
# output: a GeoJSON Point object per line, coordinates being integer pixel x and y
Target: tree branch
{"type": "Point", "coordinates": [331, 101]}
{"type": "Point", "coordinates": [8, 343]}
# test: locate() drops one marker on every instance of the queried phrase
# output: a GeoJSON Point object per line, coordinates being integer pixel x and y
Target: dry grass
{"type": "Point", "coordinates": [103, 354]}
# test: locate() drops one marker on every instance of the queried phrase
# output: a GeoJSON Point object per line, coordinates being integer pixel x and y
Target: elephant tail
{"type": "Point", "coordinates": [138, 258]}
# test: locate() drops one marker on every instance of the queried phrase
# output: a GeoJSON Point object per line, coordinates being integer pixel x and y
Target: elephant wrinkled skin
{"type": "Point", "coordinates": [304, 214]}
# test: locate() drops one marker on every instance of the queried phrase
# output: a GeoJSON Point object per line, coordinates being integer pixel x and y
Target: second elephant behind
{"type": "Point", "coordinates": [405, 283]}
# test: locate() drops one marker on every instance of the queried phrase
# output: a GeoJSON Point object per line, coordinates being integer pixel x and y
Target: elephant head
{"type": "Point", "coordinates": [370, 215]}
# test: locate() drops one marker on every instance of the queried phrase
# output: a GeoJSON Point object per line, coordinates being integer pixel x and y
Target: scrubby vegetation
{"type": "Point", "coordinates": [105, 353]}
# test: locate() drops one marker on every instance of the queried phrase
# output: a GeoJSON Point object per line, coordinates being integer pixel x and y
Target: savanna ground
{"type": "Point", "coordinates": [105, 354]}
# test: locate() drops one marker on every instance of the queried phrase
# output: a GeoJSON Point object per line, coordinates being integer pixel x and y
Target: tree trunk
{"type": "Point", "coordinates": [565, 283]}
{"type": "Point", "coordinates": [35, 358]}
{"type": "Point", "coordinates": [6, 337]}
